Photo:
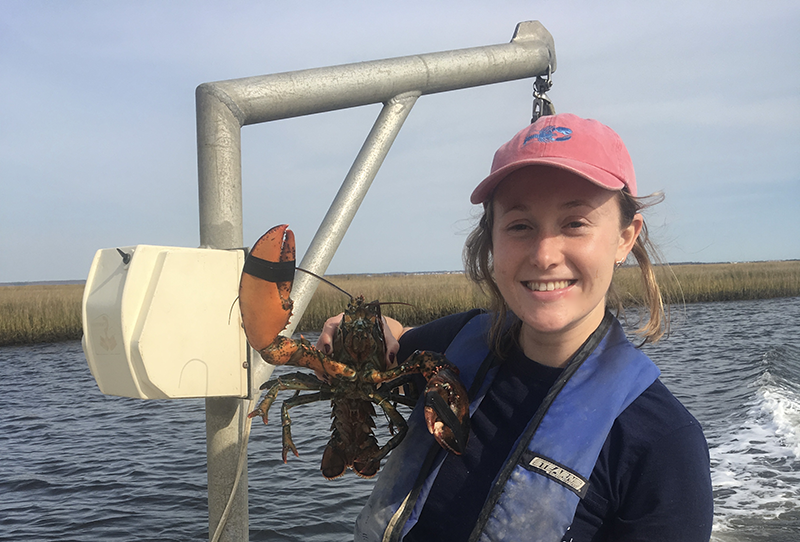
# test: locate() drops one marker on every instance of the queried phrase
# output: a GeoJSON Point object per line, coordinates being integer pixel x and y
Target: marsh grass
{"type": "Point", "coordinates": [693, 283]}
{"type": "Point", "coordinates": [424, 297]}
{"type": "Point", "coordinates": [40, 313]}
{"type": "Point", "coordinates": [46, 313]}
{"type": "Point", "coordinates": [436, 295]}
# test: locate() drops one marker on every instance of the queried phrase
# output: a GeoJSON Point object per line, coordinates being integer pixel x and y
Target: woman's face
{"type": "Point", "coordinates": [555, 240]}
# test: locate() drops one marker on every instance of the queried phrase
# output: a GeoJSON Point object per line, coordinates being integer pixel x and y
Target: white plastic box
{"type": "Point", "coordinates": [166, 323]}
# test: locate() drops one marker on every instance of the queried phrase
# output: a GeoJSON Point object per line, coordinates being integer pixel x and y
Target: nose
{"type": "Point", "coordinates": [546, 251]}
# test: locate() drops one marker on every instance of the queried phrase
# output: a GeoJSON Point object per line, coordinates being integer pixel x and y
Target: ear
{"type": "Point", "coordinates": [628, 237]}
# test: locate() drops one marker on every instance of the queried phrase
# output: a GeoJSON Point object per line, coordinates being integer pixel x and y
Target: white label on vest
{"type": "Point", "coordinates": [559, 473]}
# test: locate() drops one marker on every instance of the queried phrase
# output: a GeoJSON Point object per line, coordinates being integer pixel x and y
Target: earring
{"type": "Point", "coordinates": [618, 264]}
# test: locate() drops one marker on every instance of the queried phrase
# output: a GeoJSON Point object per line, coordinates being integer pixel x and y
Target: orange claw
{"type": "Point", "coordinates": [265, 287]}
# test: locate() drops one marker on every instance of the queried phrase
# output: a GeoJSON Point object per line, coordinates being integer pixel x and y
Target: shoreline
{"type": "Point", "coordinates": [45, 312]}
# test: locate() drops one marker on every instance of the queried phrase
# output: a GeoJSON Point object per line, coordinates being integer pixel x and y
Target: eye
{"type": "Point", "coordinates": [518, 230]}
{"type": "Point", "coordinates": [576, 226]}
{"type": "Point", "coordinates": [518, 225]}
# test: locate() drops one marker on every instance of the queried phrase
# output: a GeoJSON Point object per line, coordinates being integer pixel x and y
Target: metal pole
{"type": "Point", "coordinates": [341, 212]}
{"type": "Point", "coordinates": [220, 193]}
{"type": "Point", "coordinates": [284, 95]}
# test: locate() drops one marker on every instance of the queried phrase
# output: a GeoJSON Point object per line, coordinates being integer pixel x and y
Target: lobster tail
{"type": "Point", "coordinates": [352, 442]}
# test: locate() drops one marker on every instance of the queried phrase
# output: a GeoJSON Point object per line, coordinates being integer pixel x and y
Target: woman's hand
{"type": "Point", "coordinates": [392, 330]}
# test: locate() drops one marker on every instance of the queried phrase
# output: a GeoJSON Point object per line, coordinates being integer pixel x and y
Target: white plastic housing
{"type": "Point", "coordinates": [166, 325]}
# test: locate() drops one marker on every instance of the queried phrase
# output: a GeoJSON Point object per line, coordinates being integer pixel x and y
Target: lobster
{"type": "Point", "coordinates": [356, 375]}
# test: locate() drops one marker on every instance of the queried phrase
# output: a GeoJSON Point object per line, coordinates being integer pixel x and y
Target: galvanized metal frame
{"type": "Point", "coordinates": [224, 107]}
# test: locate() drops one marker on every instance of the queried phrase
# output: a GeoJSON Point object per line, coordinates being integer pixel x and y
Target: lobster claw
{"type": "Point", "coordinates": [447, 410]}
{"type": "Point", "coordinates": [265, 287]}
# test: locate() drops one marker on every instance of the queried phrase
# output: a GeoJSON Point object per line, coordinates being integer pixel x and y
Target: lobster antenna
{"type": "Point", "coordinates": [230, 312]}
{"type": "Point", "coordinates": [326, 281]}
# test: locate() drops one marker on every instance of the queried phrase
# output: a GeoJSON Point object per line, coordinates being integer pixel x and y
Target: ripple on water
{"type": "Point", "coordinates": [75, 461]}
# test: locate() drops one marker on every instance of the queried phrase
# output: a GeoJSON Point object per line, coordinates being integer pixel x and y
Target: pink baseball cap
{"type": "Point", "coordinates": [583, 146]}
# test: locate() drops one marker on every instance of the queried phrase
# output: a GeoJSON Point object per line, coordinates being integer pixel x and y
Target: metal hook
{"type": "Point", "coordinates": [542, 106]}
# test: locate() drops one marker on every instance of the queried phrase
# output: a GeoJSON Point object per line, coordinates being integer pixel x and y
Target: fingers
{"type": "Point", "coordinates": [392, 331]}
{"type": "Point", "coordinates": [325, 343]}
{"type": "Point", "coordinates": [325, 340]}
{"type": "Point", "coordinates": [392, 346]}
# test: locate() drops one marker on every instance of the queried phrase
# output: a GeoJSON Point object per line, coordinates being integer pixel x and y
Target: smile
{"type": "Point", "coordinates": [547, 286]}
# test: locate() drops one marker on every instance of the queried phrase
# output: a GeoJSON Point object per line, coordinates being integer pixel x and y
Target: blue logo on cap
{"type": "Point", "coordinates": [550, 134]}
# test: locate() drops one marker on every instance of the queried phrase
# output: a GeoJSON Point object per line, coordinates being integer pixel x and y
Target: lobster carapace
{"type": "Point", "coordinates": [356, 374]}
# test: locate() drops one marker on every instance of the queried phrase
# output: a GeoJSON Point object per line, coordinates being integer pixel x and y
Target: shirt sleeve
{"type": "Point", "coordinates": [668, 495]}
{"type": "Point", "coordinates": [652, 480]}
{"type": "Point", "coordinates": [435, 336]}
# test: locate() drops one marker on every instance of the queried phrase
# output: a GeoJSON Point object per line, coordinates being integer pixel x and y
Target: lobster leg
{"type": "Point", "coordinates": [410, 395]}
{"type": "Point", "coordinates": [293, 381]}
{"type": "Point", "coordinates": [396, 419]}
{"type": "Point", "coordinates": [286, 421]}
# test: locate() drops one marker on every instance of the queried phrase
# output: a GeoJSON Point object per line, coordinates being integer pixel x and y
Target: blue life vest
{"type": "Point", "coordinates": [536, 493]}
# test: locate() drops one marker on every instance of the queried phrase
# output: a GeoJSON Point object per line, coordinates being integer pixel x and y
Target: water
{"type": "Point", "coordinates": [77, 465]}
{"type": "Point", "coordinates": [736, 366]}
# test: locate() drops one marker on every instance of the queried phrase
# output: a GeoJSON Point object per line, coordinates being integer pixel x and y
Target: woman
{"type": "Point", "coordinates": [572, 436]}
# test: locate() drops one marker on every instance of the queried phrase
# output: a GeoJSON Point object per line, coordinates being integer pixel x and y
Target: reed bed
{"type": "Point", "coordinates": [694, 283]}
{"type": "Point", "coordinates": [436, 295]}
{"type": "Point", "coordinates": [39, 313]}
{"type": "Point", "coordinates": [424, 297]}
{"type": "Point", "coordinates": [47, 313]}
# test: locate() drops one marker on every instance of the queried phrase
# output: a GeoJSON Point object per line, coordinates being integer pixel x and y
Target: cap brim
{"type": "Point", "coordinates": [593, 174]}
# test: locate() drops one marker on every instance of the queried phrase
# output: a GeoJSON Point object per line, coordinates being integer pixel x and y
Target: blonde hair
{"type": "Point", "coordinates": [479, 267]}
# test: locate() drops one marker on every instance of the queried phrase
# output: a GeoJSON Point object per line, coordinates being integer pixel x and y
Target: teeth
{"type": "Point", "coordinates": [547, 286]}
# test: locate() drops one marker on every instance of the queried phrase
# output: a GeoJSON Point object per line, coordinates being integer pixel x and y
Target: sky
{"type": "Point", "coordinates": [98, 136]}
